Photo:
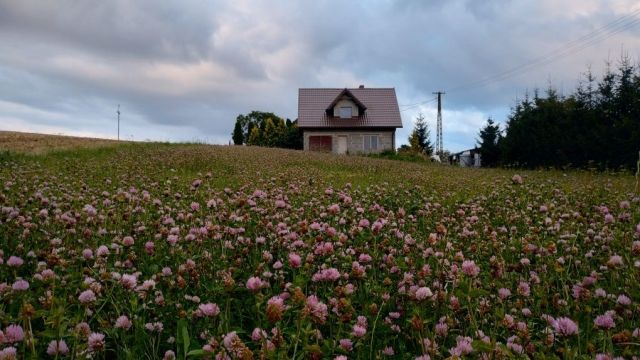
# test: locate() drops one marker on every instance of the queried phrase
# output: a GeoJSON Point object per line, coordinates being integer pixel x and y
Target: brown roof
{"type": "Point", "coordinates": [381, 108]}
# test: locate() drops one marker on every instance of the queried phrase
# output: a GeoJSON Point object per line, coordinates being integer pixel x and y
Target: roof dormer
{"type": "Point", "coordinates": [346, 106]}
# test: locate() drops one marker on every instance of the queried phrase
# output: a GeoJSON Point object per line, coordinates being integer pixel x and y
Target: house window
{"type": "Point", "coordinates": [370, 142]}
{"type": "Point", "coordinates": [345, 112]}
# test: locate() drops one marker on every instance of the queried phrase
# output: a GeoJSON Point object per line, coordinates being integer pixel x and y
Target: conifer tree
{"type": "Point", "coordinates": [238, 136]}
{"type": "Point", "coordinates": [488, 143]}
{"type": "Point", "coordinates": [596, 126]}
{"type": "Point", "coordinates": [420, 137]}
{"type": "Point", "coordinates": [414, 141]}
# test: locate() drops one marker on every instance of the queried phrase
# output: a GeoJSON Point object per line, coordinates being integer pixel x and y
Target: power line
{"type": "Point", "coordinates": [529, 66]}
{"type": "Point", "coordinates": [419, 103]}
{"type": "Point", "coordinates": [413, 106]}
{"type": "Point", "coordinates": [615, 27]}
{"type": "Point", "coordinates": [572, 47]}
{"type": "Point", "coordinates": [604, 32]}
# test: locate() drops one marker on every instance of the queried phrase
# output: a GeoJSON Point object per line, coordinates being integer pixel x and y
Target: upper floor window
{"type": "Point", "coordinates": [346, 112]}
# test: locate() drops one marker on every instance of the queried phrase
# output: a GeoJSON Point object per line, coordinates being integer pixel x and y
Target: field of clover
{"type": "Point", "coordinates": [150, 251]}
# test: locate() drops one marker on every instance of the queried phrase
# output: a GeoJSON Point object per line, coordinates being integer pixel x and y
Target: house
{"type": "Point", "coordinates": [466, 158]}
{"type": "Point", "coordinates": [341, 121]}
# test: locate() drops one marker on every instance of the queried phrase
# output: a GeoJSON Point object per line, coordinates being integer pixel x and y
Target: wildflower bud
{"type": "Point", "coordinates": [621, 337]}
{"type": "Point", "coordinates": [416, 323]}
{"type": "Point", "coordinates": [433, 238]}
{"type": "Point", "coordinates": [181, 282]}
{"type": "Point", "coordinates": [315, 352]}
{"type": "Point", "coordinates": [373, 309]}
{"type": "Point", "coordinates": [28, 311]}
{"type": "Point", "coordinates": [531, 348]}
{"type": "Point", "coordinates": [298, 296]}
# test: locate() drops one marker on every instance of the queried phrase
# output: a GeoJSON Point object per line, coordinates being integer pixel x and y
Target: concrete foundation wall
{"type": "Point", "coordinates": [355, 139]}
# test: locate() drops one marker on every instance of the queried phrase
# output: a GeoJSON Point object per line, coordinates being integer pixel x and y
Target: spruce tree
{"type": "Point", "coordinates": [420, 137]}
{"type": "Point", "coordinates": [414, 141]}
{"type": "Point", "coordinates": [488, 144]}
{"type": "Point", "coordinates": [423, 134]}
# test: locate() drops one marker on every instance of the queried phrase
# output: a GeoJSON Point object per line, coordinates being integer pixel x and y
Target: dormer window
{"type": "Point", "coordinates": [346, 112]}
{"type": "Point", "coordinates": [346, 106]}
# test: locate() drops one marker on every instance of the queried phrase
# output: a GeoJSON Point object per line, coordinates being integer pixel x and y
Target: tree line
{"type": "Point", "coordinates": [598, 125]}
{"type": "Point", "coordinates": [266, 129]}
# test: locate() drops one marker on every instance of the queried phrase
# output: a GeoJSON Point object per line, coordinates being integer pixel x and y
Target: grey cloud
{"type": "Point", "coordinates": [152, 29]}
{"type": "Point", "coordinates": [197, 64]}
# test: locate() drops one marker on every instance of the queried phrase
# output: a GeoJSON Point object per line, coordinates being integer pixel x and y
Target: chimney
{"type": "Point", "coordinates": [361, 87]}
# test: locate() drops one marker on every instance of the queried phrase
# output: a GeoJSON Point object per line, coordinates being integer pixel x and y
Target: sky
{"type": "Point", "coordinates": [183, 70]}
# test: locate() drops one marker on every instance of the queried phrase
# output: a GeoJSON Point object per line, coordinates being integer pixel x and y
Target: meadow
{"type": "Point", "coordinates": [147, 251]}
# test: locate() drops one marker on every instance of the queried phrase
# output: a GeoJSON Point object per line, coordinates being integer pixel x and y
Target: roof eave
{"type": "Point", "coordinates": [352, 127]}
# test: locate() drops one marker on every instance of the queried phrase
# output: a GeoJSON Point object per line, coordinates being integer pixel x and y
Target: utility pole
{"type": "Point", "coordinates": [118, 122]}
{"type": "Point", "coordinates": [439, 145]}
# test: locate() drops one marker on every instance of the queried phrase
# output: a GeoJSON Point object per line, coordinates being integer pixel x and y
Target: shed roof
{"type": "Point", "coordinates": [381, 108]}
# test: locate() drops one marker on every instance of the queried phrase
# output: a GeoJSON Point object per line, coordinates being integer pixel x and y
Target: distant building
{"type": "Point", "coordinates": [362, 120]}
{"type": "Point", "coordinates": [466, 158]}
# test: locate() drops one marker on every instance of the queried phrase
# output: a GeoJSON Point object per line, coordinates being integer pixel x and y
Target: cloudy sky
{"type": "Point", "coordinates": [183, 70]}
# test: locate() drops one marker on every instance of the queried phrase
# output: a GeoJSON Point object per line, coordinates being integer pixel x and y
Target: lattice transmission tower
{"type": "Point", "coordinates": [439, 142]}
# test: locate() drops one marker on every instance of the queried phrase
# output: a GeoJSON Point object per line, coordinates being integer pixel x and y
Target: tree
{"type": "Point", "coordinates": [420, 137]}
{"type": "Point", "coordinates": [596, 126]}
{"type": "Point", "coordinates": [269, 136]}
{"type": "Point", "coordinates": [254, 136]}
{"type": "Point", "coordinates": [270, 130]}
{"type": "Point", "coordinates": [489, 144]}
{"type": "Point", "coordinates": [254, 118]}
{"type": "Point", "coordinates": [294, 136]}
{"type": "Point", "coordinates": [414, 141]}
{"type": "Point", "coordinates": [281, 135]}
{"type": "Point", "coordinates": [238, 136]}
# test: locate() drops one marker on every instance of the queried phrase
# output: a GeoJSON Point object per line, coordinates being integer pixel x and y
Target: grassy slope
{"type": "Point", "coordinates": [236, 166]}
{"type": "Point", "coordinates": [31, 143]}
{"type": "Point", "coordinates": [83, 173]}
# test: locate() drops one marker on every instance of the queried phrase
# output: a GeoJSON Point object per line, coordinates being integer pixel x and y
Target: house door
{"type": "Point", "coordinates": [342, 144]}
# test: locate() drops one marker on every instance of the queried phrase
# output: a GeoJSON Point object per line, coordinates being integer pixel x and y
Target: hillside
{"type": "Point", "coordinates": [40, 143]}
{"type": "Point", "coordinates": [151, 250]}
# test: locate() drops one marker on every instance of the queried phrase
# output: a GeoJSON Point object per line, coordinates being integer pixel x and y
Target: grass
{"type": "Point", "coordinates": [30, 143]}
{"type": "Point", "coordinates": [219, 216]}
{"type": "Point", "coordinates": [403, 156]}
